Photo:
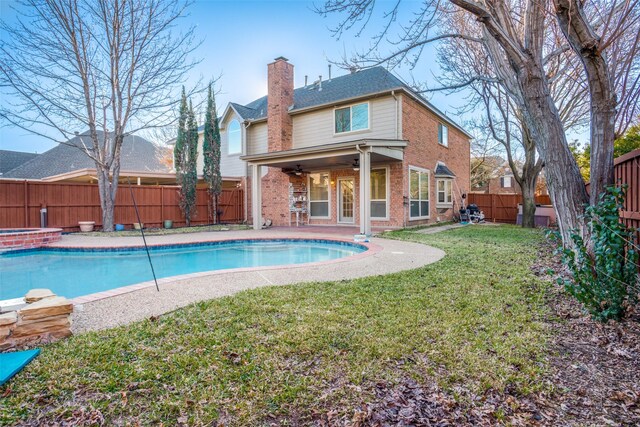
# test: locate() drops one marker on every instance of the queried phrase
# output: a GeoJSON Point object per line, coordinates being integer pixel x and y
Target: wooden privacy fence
{"type": "Point", "coordinates": [68, 203]}
{"type": "Point", "coordinates": [627, 171]}
{"type": "Point", "coordinates": [501, 207]}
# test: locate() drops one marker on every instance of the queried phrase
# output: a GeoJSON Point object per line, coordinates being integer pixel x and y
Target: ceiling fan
{"type": "Point", "coordinates": [297, 171]}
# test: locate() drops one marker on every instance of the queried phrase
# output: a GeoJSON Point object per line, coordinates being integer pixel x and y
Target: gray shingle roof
{"type": "Point", "coordinates": [12, 159]}
{"type": "Point", "coordinates": [443, 170]}
{"type": "Point", "coordinates": [353, 85]}
{"type": "Point", "coordinates": [137, 154]}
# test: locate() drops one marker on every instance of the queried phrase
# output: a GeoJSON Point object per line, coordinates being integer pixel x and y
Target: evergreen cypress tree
{"type": "Point", "coordinates": [186, 157]}
{"type": "Point", "coordinates": [211, 153]}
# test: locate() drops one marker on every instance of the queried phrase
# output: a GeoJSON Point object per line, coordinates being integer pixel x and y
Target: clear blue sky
{"type": "Point", "coordinates": [241, 37]}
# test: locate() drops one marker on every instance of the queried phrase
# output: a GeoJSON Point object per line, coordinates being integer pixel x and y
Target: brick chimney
{"type": "Point", "coordinates": [279, 99]}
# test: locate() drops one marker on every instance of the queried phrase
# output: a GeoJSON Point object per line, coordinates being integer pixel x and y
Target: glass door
{"type": "Point", "coordinates": [346, 202]}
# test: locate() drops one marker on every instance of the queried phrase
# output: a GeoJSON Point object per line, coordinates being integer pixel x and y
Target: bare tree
{"type": "Point", "coordinates": [463, 59]}
{"type": "Point", "coordinates": [615, 19]}
{"type": "Point", "coordinates": [109, 66]}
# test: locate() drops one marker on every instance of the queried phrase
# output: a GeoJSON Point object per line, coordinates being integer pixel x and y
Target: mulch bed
{"type": "Point", "coordinates": [595, 366]}
{"type": "Point", "coordinates": [594, 379]}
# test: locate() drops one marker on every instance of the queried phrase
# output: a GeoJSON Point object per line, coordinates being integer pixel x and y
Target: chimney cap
{"type": "Point", "coordinates": [281, 58]}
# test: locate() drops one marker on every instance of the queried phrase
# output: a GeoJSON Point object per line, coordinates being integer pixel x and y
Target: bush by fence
{"type": "Point", "coordinates": [68, 203]}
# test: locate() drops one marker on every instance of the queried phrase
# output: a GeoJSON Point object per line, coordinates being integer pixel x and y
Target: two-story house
{"type": "Point", "coordinates": [360, 149]}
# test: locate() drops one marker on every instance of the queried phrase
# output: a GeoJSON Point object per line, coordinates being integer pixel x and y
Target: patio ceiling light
{"type": "Point", "coordinates": [356, 165]}
{"type": "Point", "coordinates": [298, 170]}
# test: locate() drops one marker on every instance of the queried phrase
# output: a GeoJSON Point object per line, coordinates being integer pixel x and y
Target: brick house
{"type": "Point", "coordinates": [503, 182]}
{"type": "Point", "coordinates": [317, 149]}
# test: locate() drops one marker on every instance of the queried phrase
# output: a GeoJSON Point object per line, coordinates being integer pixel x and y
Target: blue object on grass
{"type": "Point", "coordinates": [12, 363]}
{"type": "Point", "coordinates": [119, 227]}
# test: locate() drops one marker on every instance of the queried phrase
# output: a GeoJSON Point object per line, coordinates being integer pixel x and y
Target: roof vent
{"type": "Point", "coordinates": [353, 69]}
{"type": "Point", "coordinates": [319, 83]}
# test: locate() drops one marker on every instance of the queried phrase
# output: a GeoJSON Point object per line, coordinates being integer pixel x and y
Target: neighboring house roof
{"type": "Point", "coordinates": [12, 159]}
{"type": "Point", "coordinates": [443, 170]}
{"type": "Point", "coordinates": [371, 81]}
{"type": "Point", "coordinates": [137, 154]}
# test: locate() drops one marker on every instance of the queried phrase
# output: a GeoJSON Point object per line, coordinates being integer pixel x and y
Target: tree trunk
{"type": "Point", "coordinates": [566, 187]}
{"type": "Point", "coordinates": [586, 44]}
{"type": "Point", "coordinates": [106, 200]}
{"type": "Point", "coordinates": [529, 201]}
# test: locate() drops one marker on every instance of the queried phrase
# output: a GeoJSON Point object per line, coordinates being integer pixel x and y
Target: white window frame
{"type": "Point", "coordinates": [448, 182]}
{"type": "Point", "coordinates": [428, 172]}
{"type": "Point", "coordinates": [350, 106]}
{"type": "Point", "coordinates": [388, 190]}
{"type": "Point", "coordinates": [445, 135]}
{"type": "Point", "coordinates": [229, 152]}
{"type": "Point", "coordinates": [328, 195]}
{"type": "Point", "coordinates": [504, 181]}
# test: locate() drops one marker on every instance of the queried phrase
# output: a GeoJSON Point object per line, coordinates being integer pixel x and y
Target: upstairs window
{"type": "Point", "coordinates": [352, 118]}
{"type": "Point", "coordinates": [443, 135]}
{"type": "Point", "coordinates": [234, 137]}
{"type": "Point", "coordinates": [505, 181]}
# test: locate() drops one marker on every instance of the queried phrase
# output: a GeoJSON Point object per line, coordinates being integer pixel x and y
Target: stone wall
{"type": "Point", "coordinates": [45, 318]}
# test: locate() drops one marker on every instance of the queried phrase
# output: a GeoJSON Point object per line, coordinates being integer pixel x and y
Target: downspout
{"type": "Point", "coordinates": [246, 175]}
{"type": "Point", "coordinates": [359, 183]}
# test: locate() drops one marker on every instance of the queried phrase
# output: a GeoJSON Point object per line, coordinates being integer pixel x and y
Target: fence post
{"type": "Point", "coordinates": [161, 206]}
{"type": "Point", "coordinates": [26, 204]}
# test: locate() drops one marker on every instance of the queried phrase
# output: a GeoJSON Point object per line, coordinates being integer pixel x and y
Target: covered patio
{"type": "Point", "coordinates": [359, 155]}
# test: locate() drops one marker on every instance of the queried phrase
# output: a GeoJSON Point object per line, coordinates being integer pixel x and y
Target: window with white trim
{"type": "Point", "coordinates": [379, 193]}
{"type": "Point", "coordinates": [351, 118]}
{"type": "Point", "coordinates": [418, 193]}
{"type": "Point", "coordinates": [319, 187]}
{"type": "Point", "coordinates": [234, 137]}
{"type": "Point", "coordinates": [444, 192]}
{"type": "Point", "coordinates": [443, 135]}
{"type": "Point", "coordinates": [506, 181]}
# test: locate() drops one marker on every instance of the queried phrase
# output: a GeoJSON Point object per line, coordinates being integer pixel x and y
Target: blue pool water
{"type": "Point", "coordinates": [72, 272]}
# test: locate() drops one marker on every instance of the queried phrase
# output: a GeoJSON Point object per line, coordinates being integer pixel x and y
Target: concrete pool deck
{"type": "Point", "coordinates": [125, 305]}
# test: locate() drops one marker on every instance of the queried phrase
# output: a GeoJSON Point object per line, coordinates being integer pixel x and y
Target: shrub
{"type": "Point", "coordinates": [605, 276]}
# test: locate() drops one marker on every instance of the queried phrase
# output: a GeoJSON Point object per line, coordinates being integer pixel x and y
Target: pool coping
{"type": "Point", "coordinates": [372, 249]}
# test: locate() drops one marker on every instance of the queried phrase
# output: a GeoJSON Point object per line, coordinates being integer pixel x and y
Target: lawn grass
{"type": "Point", "coordinates": [470, 321]}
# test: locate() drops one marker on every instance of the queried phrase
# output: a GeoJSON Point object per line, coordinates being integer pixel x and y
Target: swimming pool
{"type": "Point", "coordinates": [77, 272]}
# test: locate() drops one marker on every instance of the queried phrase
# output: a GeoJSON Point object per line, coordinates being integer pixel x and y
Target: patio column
{"type": "Point", "coordinates": [365, 192]}
{"type": "Point", "coordinates": [256, 196]}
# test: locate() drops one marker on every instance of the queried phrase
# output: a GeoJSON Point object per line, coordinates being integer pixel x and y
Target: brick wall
{"type": "Point", "coordinates": [495, 187]}
{"type": "Point", "coordinates": [29, 239]}
{"type": "Point", "coordinates": [275, 193]}
{"type": "Point", "coordinates": [420, 128]}
{"type": "Point", "coordinates": [279, 99]}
